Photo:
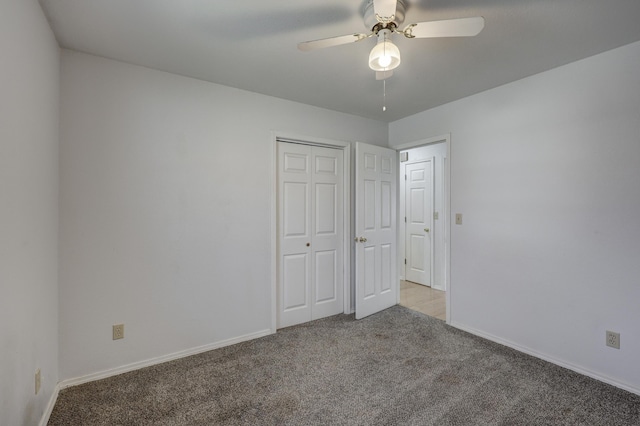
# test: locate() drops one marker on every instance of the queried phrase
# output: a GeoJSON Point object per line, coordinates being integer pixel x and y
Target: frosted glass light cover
{"type": "Point", "coordinates": [384, 56]}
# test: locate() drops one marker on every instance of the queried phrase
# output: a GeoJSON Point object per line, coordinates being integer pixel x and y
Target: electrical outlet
{"type": "Point", "coordinates": [458, 218]}
{"type": "Point", "coordinates": [118, 331]}
{"type": "Point", "coordinates": [38, 380]}
{"type": "Point", "coordinates": [613, 339]}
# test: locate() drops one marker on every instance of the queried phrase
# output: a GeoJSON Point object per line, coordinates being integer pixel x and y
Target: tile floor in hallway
{"type": "Point", "coordinates": [423, 299]}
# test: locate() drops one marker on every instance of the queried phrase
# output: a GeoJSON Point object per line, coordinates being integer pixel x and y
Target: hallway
{"type": "Point", "coordinates": [423, 299]}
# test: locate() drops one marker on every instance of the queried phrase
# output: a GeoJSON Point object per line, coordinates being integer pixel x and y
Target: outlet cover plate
{"type": "Point", "coordinates": [118, 331]}
{"type": "Point", "coordinates": [613, 339]}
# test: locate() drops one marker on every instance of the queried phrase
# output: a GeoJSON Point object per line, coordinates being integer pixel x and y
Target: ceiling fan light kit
{"type": "Point", "coordinates": [385, 55]}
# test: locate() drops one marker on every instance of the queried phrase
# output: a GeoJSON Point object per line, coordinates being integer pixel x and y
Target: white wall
{"type": "Point", "coordinates": [546, 171]}
{"type": "Point", "coordinates": [29, 87]}
{"type": "Point", "coordinates": [165, 208]}
{"type": "Point", "coordinates": [437, 152]}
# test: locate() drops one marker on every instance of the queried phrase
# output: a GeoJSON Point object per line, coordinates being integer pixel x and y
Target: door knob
{"type": "Point", "coordinates": [363, 240]}
{"type": "Point", "coordinates": [426, 229]}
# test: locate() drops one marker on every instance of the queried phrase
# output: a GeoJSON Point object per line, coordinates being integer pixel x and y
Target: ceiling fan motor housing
{"type": "Point", "coordinates": [369, 15]}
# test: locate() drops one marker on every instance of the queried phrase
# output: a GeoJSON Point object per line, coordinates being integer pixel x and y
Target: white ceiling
{"type": "Point", "coordinates": [251, 44]}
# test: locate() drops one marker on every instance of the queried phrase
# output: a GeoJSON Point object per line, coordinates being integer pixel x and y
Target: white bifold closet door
{"type": "Point", "coordinates": [310, 233]}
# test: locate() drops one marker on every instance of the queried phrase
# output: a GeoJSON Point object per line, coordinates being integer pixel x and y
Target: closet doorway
{"type": "Point", "coordinates": [311, 230]}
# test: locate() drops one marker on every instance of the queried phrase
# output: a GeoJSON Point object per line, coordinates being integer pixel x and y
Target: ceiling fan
{"type": "Point", "coordinates": [384, 18]}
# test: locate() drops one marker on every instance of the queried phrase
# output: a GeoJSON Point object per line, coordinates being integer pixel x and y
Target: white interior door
{"type": "Point", "coordinates": [419, 221]}
{"type": "Point", "coordinates": [310, 233]}
{"type": "Point", "coordinates": [375, 229]}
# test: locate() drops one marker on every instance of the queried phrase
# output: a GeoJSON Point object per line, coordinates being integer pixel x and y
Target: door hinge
{"type": "Point", "coordinates": [405, 177]}
{"type": "Point", "coordinates": [405, 219]}
{"type": "Point", "coordinates": [405, 261]}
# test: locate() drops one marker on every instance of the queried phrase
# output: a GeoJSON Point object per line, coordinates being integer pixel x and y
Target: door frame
{"type": "Point", "coordinates": [279, 136]}
{"type": "Point", "coordinates": [402, 207]}
{"type": "Point", "coordinates": [446, 139]}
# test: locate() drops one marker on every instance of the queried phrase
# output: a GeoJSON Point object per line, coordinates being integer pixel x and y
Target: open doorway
{"type": "Point", "coordinates": [423, 226]}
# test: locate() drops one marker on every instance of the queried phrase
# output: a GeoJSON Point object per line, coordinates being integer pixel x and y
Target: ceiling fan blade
{"type": "Point", "coordinates": [385, 10]}
{"type": "Point", "coordinates": [306, 46]}
{"type": "Point", "coordinates": [462, 27]}
{"type": "Point", "coordinates": [383, 75]}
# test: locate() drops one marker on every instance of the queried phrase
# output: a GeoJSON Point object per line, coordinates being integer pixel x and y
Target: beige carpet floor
{"type": "Point", "coordinates": [397, 367]}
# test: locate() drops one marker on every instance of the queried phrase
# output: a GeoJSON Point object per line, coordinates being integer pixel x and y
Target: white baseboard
{"type": "Point", "coordinates": [49, 408]}
{"type": "Point", "coordinates": [548, 358]}
{"type": "Point", "coordinates": [141, 364]}
{"type": "Point", "coordinates": [159, 360]}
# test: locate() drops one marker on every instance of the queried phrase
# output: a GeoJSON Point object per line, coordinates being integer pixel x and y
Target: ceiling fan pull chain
{"type": "Point", "coordinates": [384, 95]}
